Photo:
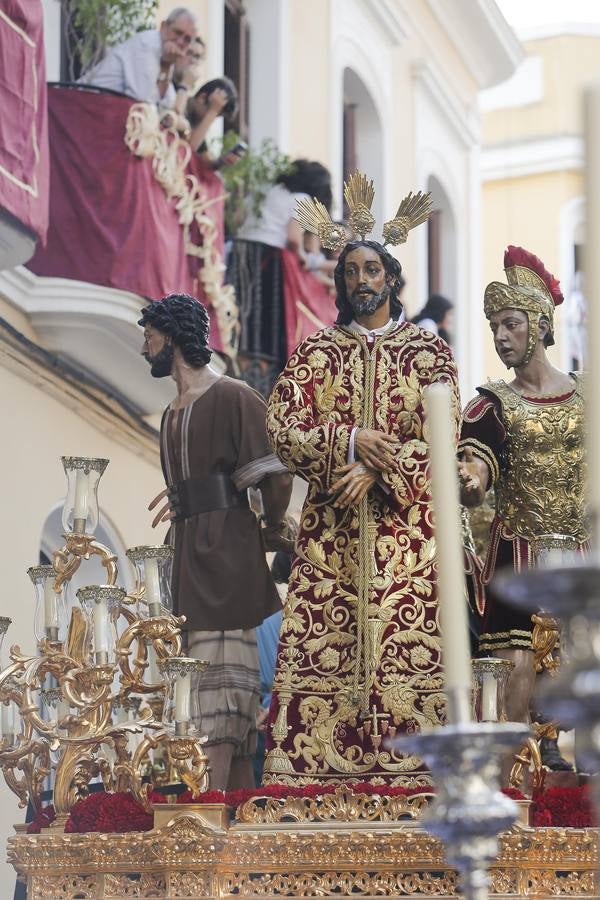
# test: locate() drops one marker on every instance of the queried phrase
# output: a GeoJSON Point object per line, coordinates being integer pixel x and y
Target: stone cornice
{"type": "Point", "coordinates": [73, 389]}
{"type": "Point", "coordinates": [485, 41]}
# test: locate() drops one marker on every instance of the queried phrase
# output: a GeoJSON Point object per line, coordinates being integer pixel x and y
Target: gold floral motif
{"type": "Point", "coordinates": [190, 884]}
{"type": "Point", "coordinates": [148, 884]}
{"type": "Point", "coordinates": [345, 884]}
{"type": "Point", "coordinates": [343, 805]}
{"type": "Point", "coordinates": [187, 859]}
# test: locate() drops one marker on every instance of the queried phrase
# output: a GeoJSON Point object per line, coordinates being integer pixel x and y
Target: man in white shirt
{"type": "Point", "coordinates": [142, 66]}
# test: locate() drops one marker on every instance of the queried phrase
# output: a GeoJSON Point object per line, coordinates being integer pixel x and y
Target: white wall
{"type": "Point", "coordinates": [270, 72]}
{"type": "Point", "coordinates": [51, 10]}
{"type": "Point", "coordinates": [446, 137]}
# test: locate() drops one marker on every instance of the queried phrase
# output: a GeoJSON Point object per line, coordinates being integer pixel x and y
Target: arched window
{"type": "Point", "coordinates": [363, 136]}
{"type": "Point", "coordinates": [441, 244]}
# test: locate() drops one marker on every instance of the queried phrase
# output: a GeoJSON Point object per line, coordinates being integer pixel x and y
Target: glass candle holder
{"type": "Point", "coordinates": [50, 617]}
{"type": "Point", "coordinates": [80, 510]}
{"type": "Point", "coordinates": [9, 719]}
{"type": "Point", "coordinates": [181, 711]}
{"type": "Point", "coordinates": [126, 709]}
{"type": "Point", "coordinates": [489, 688]}
{"type": "Point", "coordinates": [554, 551]}
{"type": "Point", "coordinates": [101, 604]}
{"type": "Point", "coordinates": [153, 578]}
{"type": "Point", "coordinates": [57, 706]}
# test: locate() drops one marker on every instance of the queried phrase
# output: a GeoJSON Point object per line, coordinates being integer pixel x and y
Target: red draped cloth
{"type": "Point", "coordinates": [111, 223]}
{"type": "Point", "coordinates": [23, 124]}
{"type": "Point", "coordinates": [308, 304]}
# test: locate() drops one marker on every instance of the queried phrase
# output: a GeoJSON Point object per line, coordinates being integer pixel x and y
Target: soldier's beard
{"type": "Point", "coordinates": [161, 364]}
{"type": "Point", "coordinates": [366, 306]}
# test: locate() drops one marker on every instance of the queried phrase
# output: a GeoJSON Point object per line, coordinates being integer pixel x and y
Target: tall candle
{"type": "Point", "coordinates": [456, 654]}
{"type": "Point", "coordinates": [152, 583]}
{"type": "Point", "coordinates": [154, 676]}
{"type": "Point", "coordinates": [100, 616]}
{"type": "Point", "coordinates": [591, 105]}
{"type": "Point", "coordinates": [80, 509]}
{"type": "Point", "coordinates": [183, 687]}
{"type": "Point", "coordinates": [50, 604]}
{"type": "Point", "coordinates": [7, 726]}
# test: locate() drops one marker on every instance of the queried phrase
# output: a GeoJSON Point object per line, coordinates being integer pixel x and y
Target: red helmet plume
{"type": "Point", "coordinates": [518, 256]}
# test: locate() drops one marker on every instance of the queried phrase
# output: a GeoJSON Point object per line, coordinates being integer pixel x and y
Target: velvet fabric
{"type": "Point", "coordinates": [24, 162]}
{"type": "Point", "coordinates": [111, 223]}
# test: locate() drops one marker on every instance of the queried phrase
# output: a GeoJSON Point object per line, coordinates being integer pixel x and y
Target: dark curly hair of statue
{"type": "Point", "coordinates": [393, 271]}
{"type": "Point", "coordinates": [185, 320]}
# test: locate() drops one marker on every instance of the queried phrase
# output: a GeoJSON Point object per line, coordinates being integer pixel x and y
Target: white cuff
{"type": "Point", "coordinates": [351, 453]}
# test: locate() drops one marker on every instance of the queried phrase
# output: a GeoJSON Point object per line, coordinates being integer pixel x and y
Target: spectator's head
{"type": "Point", "coordinates": [177, 33]}
{"type": "Point", "coordinates": [308, 177]}
{"type": "Point", "coordinates": [198, 105]}
{"type": "Point", "coordinates": [440, 310]}
{"type": "Point", "coordinates": [191, 60]}
{"type": "Point", "coordinates": [177, 321]}
{"type": "Point", "coordinates": [350, 307]}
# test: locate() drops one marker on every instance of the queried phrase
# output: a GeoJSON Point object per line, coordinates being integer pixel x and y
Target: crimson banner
{"type": "Point", "coordinates": [24, 159]}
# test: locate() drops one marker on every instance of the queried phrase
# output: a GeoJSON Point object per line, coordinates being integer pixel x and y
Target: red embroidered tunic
{"type": "Point", "coordinates": [359, 655]}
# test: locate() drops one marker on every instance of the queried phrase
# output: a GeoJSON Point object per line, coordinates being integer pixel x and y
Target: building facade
{"type": "Point", "coordinates": [532, 170]}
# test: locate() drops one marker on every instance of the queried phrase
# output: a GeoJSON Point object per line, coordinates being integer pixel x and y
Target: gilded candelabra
{"type": "Point", "coordinates": [108, 689]}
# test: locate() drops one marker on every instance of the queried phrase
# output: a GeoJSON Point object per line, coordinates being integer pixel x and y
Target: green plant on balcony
{"type": "Point", "coordinates": [248, 180]}
{"type": "Point", "coordinates": [91, 26]}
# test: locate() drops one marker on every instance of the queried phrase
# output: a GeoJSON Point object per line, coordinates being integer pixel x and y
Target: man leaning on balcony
{"type": "Point", "coordinates": [142, 66]}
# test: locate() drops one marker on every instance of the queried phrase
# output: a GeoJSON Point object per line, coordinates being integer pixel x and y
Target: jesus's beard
{"type": "Point", "coordinates": [366, 306]}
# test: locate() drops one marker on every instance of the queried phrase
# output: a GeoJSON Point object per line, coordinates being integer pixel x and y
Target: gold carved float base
{"type": "Point", "coordinates": [195, 852]}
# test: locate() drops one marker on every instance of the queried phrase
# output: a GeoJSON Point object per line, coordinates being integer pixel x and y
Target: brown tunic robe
{"type": "Point", "coordinates": [220, 580]}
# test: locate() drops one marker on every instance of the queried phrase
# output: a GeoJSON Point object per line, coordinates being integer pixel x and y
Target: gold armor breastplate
{"type": "Point", "coordinates": [541, 484]}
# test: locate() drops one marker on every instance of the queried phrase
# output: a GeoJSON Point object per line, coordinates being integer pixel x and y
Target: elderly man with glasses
{"type": "Point", "coordinates": [142, 66]}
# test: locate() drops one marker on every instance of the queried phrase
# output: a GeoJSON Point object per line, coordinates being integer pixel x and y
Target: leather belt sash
{"type": "Point", "coordinates": [200, 495]}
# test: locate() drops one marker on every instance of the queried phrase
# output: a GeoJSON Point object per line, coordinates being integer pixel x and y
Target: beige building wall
{"type": "Point", "coordinates": [525, 212]}
{"type": "Point", "coordinates": [532, 165]}
{"type": "Point", "coordinates": [568, 62]}
{"type": "Point", "coordinates": [39, 429]}
{"type": "Point", "coordinates": [309, 23]}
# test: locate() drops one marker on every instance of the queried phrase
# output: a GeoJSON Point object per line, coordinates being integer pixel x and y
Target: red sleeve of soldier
{"type": "Point", "coordinates": [483, 432]}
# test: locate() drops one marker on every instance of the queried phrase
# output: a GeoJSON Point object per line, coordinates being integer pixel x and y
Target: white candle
{"type": "Point", "coordinates": [489, 694]}
{"type": "Point", "coordinates": [183, 687]}
{"type": "Point", "coordinates": [152, 584]}
{"type": "Point", "coordinates": [450, 566]}
{"type": "Point", "coordinates": [100, 616]}
{"type": "Point", "coordinates": [80, 510]}
{"type": "Point", "coordinates": [50, 604]}
{"type": "Point", "coordinates": [7, 727]}
{"type": "Point", "coordinates": [154, 676]}
{"type": "Point", "coordinates": [63, 709]}
{"type": "Point", "coordinates": [592, 290]}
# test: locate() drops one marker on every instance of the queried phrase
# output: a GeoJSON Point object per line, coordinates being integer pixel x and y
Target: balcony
{"type": "Point", "coordinates": [133, 215]}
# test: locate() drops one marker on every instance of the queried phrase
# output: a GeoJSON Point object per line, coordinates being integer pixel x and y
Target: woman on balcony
{"type": "Point", "coordinates": [256, 273]}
